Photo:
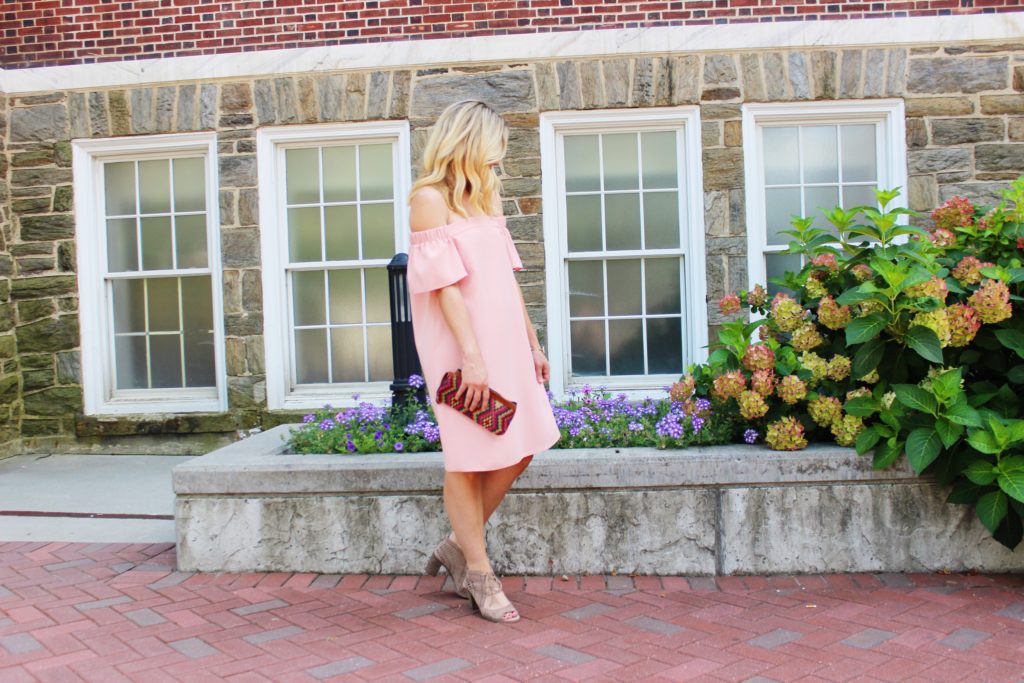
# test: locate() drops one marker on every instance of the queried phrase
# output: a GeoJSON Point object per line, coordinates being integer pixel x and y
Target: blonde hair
{"type": "Point", "coordinates": [467, 138]}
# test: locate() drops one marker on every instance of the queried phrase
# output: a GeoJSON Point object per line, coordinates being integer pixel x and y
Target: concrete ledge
{"type": "Point", "coordinates": [252, 506]}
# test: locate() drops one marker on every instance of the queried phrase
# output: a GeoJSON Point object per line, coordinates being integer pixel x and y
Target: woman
{"type": "Point", "coordinates": [468, 313]}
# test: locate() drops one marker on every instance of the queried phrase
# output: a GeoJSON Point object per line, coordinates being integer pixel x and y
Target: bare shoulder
{"type": "Point", "coordinates": [427, 209]}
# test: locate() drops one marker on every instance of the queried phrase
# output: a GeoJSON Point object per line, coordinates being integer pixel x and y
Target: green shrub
{"type": "Point", "coordinates": [896, 340]}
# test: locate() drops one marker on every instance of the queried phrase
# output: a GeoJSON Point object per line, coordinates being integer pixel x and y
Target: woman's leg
{"type": "Point", "coordinates": [493, 486]}
{"type": "Point", "coordinates": [463, 501]}
{"type": "Point", "coordinates": [497, 483]}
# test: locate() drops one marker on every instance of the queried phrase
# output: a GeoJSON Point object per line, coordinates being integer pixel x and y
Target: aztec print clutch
{"type": "Point", "coordinates": [495, 416]}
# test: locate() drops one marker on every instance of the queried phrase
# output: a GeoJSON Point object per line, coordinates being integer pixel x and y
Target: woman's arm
{"type": "Point", "coordinates": [540, 361]}
{"type": "Point", "coordinates": [428, 209]}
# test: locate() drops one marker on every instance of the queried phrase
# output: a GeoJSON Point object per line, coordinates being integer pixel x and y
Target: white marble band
{"type": "Point", "coordinates": [894, 32]}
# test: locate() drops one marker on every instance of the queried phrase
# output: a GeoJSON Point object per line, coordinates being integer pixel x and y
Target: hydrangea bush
{"type": "Point", "coordinates": [893, 339]}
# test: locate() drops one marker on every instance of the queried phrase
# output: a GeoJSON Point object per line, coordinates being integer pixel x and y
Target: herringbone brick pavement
{"type": "Point", "coordinates": [116, 612]}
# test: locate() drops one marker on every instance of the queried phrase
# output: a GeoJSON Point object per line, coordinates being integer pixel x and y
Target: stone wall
{"type": "Point", "coordinates": [10, 377]}
{"type": "Point", "coordinates": [965, 129]}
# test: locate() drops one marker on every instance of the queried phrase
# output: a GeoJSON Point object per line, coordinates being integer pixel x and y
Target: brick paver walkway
{"type": "Point", "coordinates": [115, 612]}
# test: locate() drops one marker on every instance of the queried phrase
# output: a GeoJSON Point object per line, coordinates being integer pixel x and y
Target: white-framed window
{"type": "Point", "coordinates": [801, 158]}
{"type": "Point", "coordinates": [624, 247]}
{"type": "Point", "coordinates": [148, 249]}
{"type": "Point", "coordinates": [333, 214]}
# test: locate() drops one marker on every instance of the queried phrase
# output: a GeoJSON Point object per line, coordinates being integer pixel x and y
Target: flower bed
{"type": "Point", "coordinates": [590, 418]}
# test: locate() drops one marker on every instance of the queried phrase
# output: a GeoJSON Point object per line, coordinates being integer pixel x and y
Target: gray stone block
{"type": "Point", "coordinates": [967, 131]}
{"type": "Point", "coordinates": [874, 73]}
{"type": "Point", "coordinates": [775, 75]}
{"type": "Point", "coordinates": [719, 69]}
{"type": "Point", "coordinates": [41, 123]}
{"type": "Point", "coordinates": [932, 160]}
{"type": "Point", "coordinates": [957, 74]}
{"type": "Point", "coordinates": [799, 79]}
{"type": "Point", "coordinates": [851, 527]}
{"type": "Point", "coordinates": [504, 91]}
{"type": "Point", "coordinates": [849, 73]}
{"type": "Point", "coordinates": [143, 120]}
{"type": "Point", "coordinates": [999, 157]}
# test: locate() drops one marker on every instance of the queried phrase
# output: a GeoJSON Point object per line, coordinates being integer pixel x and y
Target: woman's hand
{"type": "Point", "coordinates": [474, 382]}
{"type": "Point", "coordinates": [540, 365]}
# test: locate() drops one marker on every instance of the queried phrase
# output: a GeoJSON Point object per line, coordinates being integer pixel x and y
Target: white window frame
{"type": "Point", "coordinates": [98, 369]}
{"type": "Point", "coordinates": [694, 319]}
{"type": "Point", "coordinates": [270, 145]}
{"type": "Point", "coordinates": [890, 145]}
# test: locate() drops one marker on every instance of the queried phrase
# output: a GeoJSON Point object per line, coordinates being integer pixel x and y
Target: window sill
{"type": "Point", "coordinates": [164, 423]}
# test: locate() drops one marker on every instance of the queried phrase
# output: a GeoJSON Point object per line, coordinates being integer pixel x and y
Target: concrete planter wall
{"type": "Point", "coordinates": [719, 510]}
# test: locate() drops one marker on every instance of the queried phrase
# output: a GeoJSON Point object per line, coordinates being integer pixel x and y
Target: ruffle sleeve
{"type": "Point", "coordinates": [513, 253]}
{"type": "Point", "coordinates": [434, 262]}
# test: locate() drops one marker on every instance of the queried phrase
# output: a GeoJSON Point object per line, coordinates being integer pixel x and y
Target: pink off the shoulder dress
{"type": "Point", "coordinates": [478, 254]}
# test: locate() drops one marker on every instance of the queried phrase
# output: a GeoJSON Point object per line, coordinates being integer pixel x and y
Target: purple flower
{"type": "Point", "coordinates": [697, 422]}
{"type": "Point", "coordinates": [416, 381]}
{"type": "Point", "coordinates": [399, 446]}
{"type": "Point", "coordinates": [635, 427]}
{"type": "Point", "coordinates": [350, 446]}
{"type": "Point", "coordinates": [669, 426]}
{"type": "Point", "coordinates": [750, 436]}
{"type": "Point", "coordinates": [378, 434]}
{"type": "Point", "coordinates": [326, 424]}
{"type": "Point", "coordinates": [309, 418]}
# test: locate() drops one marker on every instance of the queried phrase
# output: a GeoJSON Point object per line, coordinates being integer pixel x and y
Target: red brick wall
{"type": "Point", "coordinates": [54, 32]}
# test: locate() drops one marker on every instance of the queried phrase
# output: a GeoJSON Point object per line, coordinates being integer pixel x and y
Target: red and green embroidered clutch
{"type": "Point", "coordinates": [494, 416]}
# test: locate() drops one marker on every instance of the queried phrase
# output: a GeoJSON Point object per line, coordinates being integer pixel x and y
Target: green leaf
{"type": "Point", "coordinates": [886, 455]}
{"type": "Point", "coordinates": [992, 508]}
{"type": "Point", "coordinates": [963, 414]}
{"type": "Point", "coordinates": [862, 406]}
{"type": "Point", "coordinates": [1011, 464]}
{"type": "Point", "coordinates": [857, 294]}
{"type": "Point", "coordinates": [1016, 374]}
{"type": "Point", "coordinates": [868, 357]}
{"type": "Point", "coordinates": [1016, 431]}
{"type": "Point", "coordinates": [923, 446]}
{"type": "Point", "coordinates": [965, 493]}
{"type": "Point", "coordinates": [1011, 531]}
{"type": "Point", "coordinates": [1012, 339]}
{"type": "Point", "coordinates": [980, 472]}
{"type": "Point", "coordinates": [948, 431]}
{"type": "Point", "coordinates": [1013, 484]}
{"type": "Point", "coordinates": [983, 442]}
{"type": "Point", "coordinates": [866, 440]}
{"type": "Point", "coordinates": [1000, 432]}
{"type": "Point", "coordinates": [718, 357]}
{"type": "Point", "coordinates": [947, 384]}
{"type": "Point", "coordinates": [867, 328]}
{"type": "Point", "coordinates": [925, 342]}
{"type": "Point", "coordinates": [913, 396]}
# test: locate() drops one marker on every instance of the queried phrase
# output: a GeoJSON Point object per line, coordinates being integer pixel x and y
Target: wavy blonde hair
{"type": "Point", "coordinates": [467, 138]}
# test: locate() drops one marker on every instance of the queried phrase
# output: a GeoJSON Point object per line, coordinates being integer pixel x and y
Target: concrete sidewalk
{"type": "Point", "coordinates": [87, 498]}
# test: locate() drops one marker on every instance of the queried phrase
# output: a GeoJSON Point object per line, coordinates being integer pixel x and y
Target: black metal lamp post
{"type": "Point", "coordinates": [403, 346]}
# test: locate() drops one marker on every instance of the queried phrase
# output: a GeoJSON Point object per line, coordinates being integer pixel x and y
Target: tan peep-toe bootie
{"type": "Point", "coordinates": [449, 556]}
{"type": "Point", "coordinates": [485, 594]}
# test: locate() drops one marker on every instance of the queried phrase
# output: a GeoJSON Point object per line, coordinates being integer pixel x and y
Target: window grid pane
{"type": "Point", "coordinates": [339, 230]}
{"type": "Point", "coordinates": [163, 332]}
{"type": "Point", "coordinates": [811, 167]}
{"type": "Point", "coordinates": [161, 325]}
{"type": "Point", "coordinates": [623, 191]}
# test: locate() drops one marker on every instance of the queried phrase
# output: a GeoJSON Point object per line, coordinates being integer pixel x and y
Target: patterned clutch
{"type": "Point", "coordinates": [494, 416]}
